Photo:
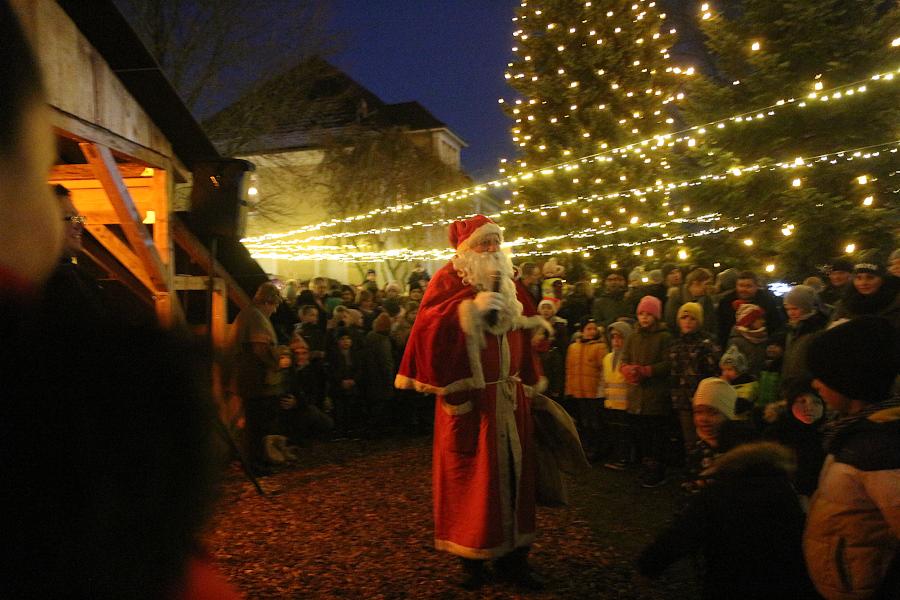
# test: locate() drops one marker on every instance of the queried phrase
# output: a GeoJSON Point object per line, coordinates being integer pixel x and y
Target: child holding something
{"type": "Point", "coordinates": [645, 366]}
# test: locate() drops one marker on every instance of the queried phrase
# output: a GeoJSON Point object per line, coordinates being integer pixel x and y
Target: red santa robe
{"type": "Point", "coordinates": [483, 460]}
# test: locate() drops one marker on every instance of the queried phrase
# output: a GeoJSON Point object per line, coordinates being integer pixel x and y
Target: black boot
{"type": "Point", "coordinates": [474, 574]}
{"type": "Point", "coordinates": [514, 568]}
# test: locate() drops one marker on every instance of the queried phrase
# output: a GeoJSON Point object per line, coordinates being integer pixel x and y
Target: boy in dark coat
{"type": "Point", "coordinates": [747, 524]}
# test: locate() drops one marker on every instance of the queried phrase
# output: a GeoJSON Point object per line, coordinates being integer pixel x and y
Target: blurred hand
{"type": "Point", "coordinates": [487, 301]}
{"type": "Point", "coordinates": [347, 384]}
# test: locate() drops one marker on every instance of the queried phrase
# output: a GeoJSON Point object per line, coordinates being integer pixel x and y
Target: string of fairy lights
{"type": "Point", "coordinates": [296, 251]}
{"type": "Point", "coordinates": [299, 250]}
{"type": "Point", "coordinates": [287, 246]}
{"type": "Point", "coordinates": [688, 136]}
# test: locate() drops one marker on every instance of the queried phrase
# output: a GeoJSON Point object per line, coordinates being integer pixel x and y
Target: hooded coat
{"type": "Point", "coordinates": [483, 376]}
{"type": "Point", "coordinates": [649, 347]}
{"type": "Point", "coordinates": [746, 524]}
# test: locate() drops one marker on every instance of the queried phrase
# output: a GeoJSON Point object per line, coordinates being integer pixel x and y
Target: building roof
{"type": "Point", "coordinates": [305, 107]}
{"type": "Point", "coordinates": [113, 37]}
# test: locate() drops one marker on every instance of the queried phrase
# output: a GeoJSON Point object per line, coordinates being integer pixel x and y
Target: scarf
{"type": "Point", "coordinates": [754, 336]}
{"type": "Point", "coordinates": [832, 431]}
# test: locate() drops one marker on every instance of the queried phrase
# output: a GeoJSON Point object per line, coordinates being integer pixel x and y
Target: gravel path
{"type": "Point", "coordinates": [353, 520]}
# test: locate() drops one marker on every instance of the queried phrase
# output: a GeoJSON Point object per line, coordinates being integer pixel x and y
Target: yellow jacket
{"type": "Point", "coordinates": [584, 368]}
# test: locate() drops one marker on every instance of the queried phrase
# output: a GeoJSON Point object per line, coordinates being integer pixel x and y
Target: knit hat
{"type": "Point", "coordinates": [746, 313]}
{"type": "Point", "coordinates": [841, 265]}
{"type": "Point", "coordinates": [868, 267]}
{"type": "Point", "coordinates": [693, 309]}
{"type": "Point", "coordinates": [553, 269]}
{"type": "Point", "coordinates": [668, 268]}
{"type": "Point", "coordinates": [622, 327]}
{"type": "Point", "coordinates": [718, 394]}
{"type": "Point", "coordinates": [393, 286]}
{"type": "Point", "coordinates": [655, 276]}
{"type": "Point", "coordinates": [650, 304]}
{"type": "Point", "coordinates": [801, 296]}
{"type": "Point", "coordinates": [726, 280]}
{"type": "Point", "coordinates": [549, 303]}
{"type": "Point", "coordinates": [735, 359]}
{"type": "Point", "coordinates": [859, 358]}
{"type": "Point", "coordinates": [637, 275]}
{"type": "Point", "coordinates": [464, 233]}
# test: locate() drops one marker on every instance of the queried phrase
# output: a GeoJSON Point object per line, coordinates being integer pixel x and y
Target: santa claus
{"type": "Point", "coordinates": [470, 347]}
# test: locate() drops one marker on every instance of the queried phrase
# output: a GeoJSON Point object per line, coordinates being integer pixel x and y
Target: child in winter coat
{"type": "Point", "coordinates": [734, 370]}
{"type": "Point", "coordinates": [694, 357]}
{"type": "Point", "coordinates": [645, 366]}
{"type": "Point", "coordinates": [750, 335]}
{"type": "Point", "coordinates": [551, 349]}
{"type": "Point", "coordinates": [799, 427]}
{"type": "Point", "coordinates": [584, 373]}
{"type": "Point", "coordinates": [716, 427]}
{"type": "Point", "coordinates": [615, 398]}
{"type": "Point", "coordinates": [746, 524]}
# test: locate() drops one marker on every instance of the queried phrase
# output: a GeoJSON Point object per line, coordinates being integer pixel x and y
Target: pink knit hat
{"type": "Point", "coordinates": [652, 305]}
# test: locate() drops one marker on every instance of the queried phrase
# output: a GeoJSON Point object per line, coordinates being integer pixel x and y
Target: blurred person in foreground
{"type": "Point", "coordinates": [852, 536]}
{"type": "Point", "coordinates": [470, 347]}
{"type": "Point", "coordinates": [103, 433]}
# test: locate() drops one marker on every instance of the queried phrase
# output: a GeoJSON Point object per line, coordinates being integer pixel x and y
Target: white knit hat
{"type": "Point", "coordinates": [718, 394]}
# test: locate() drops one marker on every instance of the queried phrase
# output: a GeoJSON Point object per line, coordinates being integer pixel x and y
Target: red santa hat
{"type": "Point", "coordinates": [465, 233]}
{"type": "Point", "coordinates": [746, 313]}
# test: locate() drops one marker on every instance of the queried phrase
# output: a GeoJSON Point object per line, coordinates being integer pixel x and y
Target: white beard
{"type": "Point", "coordinates": [479, 269]}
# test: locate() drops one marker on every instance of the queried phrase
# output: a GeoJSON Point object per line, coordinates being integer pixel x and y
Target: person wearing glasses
{"type": "Point", "coordinates": [71, 292]}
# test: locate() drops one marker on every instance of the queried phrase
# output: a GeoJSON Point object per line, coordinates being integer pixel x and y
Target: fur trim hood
{"type": "Point", "coordinates": [754, 459]}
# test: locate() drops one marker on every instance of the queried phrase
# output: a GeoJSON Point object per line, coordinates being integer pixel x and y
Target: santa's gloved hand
{"type": "Point", "coordinates": [487, 301]}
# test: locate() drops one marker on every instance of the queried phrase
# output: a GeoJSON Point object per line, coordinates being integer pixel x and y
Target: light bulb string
{"type": "Point", "coordinates": [563, 204]}
{"type": "Point", "coordinates": [500, 182]}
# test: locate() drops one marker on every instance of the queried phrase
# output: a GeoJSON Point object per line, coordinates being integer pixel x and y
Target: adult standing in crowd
{"type": "Point", "coordinates": [872, 292]}
{"type": "Point", "coordinates": [749, 290]}
{"type": "Point", "coordinates": [852, 538]}
{"type": "Point", "coordinates": [804, 319]}
{"type": "Point", "coordinates": [252, 345]}
{"type": "Point", "coordinates": [70, 292]}
{"type": "Point", "coordinates": [468, 347]}
{"type": "Point", "coordinates": [611, 305]}
{"type": "Point", "coordinates": [839, 276]}
{"type": "Point", "coordinates": [530, 278]}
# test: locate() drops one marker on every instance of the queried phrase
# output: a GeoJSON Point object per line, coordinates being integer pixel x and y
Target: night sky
{"type": "Point", "coordinates": [450, 56]}
{"type": "Point", "coordinates": [447, 55]}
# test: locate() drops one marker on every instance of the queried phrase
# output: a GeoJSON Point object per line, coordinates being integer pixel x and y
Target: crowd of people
{"type": "Point", "coordinates": [782, 414]}
{"type": "Point", "coordinates": [677, 370]}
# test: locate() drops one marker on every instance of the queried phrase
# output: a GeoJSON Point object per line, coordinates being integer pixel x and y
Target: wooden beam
{"type": "Point", "coordinates": [94, 204]}
{"type": "Point", "coordinates": [200, 255]}
{"type": "Point", "coordinates": [72, 127]}
{"type": "Point", "coordinates": [79, 172]}
{"type": "Point", "coordinates": [121, 252]}
{"type": "Point", "coordinates": [106, 172]}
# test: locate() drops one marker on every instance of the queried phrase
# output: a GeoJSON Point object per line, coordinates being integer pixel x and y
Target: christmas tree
{"type": "Point", "coordinates": [592, 78]}
{"type": "Point", "coordinates": [813, 62]}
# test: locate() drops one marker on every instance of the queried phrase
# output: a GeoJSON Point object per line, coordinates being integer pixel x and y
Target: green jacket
{"type": "Point", "coordinates": [649, 347]}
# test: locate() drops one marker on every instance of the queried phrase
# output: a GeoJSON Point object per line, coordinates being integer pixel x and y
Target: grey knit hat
{"type": "Point", "coordinates": [801, 296]}
{"type": "Point", "coordinates": [734, 358]}
{"type": "Point", "coordinates": [622, 327]}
